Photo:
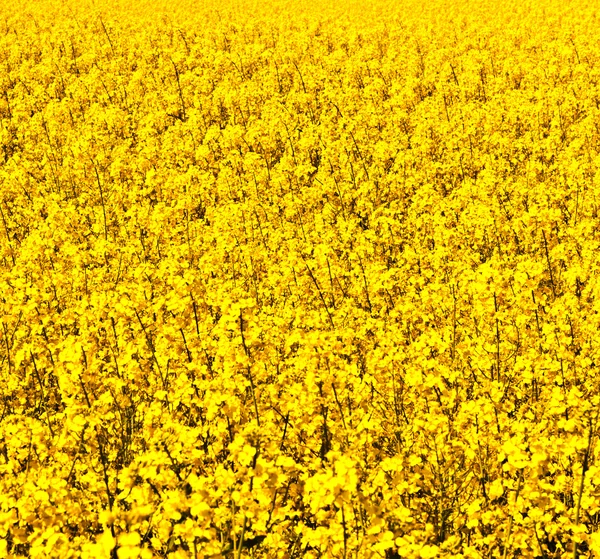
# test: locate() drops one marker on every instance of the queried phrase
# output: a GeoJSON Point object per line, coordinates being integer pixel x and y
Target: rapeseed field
{"type": "Point", "coordinates": [299, 279]}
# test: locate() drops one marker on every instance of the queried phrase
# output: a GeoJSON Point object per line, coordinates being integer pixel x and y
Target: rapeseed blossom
{"type": "Point", "coordinates": [299, 279]}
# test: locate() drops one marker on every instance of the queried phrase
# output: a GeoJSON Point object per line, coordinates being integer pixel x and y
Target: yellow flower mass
{"type": "Point", "coordinates": [299, 279]}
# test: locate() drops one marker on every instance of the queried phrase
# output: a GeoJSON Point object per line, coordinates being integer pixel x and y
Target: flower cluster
{"type": "Point", "coordinates": [299, 279]}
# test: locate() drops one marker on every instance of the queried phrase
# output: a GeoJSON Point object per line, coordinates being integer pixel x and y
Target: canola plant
{"type": "Point", "coordinates": [299, 279]}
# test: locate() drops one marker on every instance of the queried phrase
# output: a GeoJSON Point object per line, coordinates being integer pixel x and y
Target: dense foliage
{"type": "Point", "coordinates": [299, 279]}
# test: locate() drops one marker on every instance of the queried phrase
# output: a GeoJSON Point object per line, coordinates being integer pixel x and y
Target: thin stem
{"type": "Point", "coordinates": [510, 521]}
